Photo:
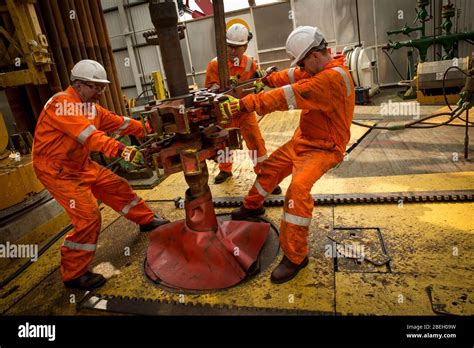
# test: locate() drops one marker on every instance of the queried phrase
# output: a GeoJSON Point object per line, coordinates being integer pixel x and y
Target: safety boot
{"type": "Point", "coordinates": [221, 177]}
{"type": "Point", "coordinates": [156, 222]}
{"type": "Point", "coordinates": [87, 281]}
{"type": "Point", "coordinates": [243, 213]}
{"type": "Point", "coordinates": [287, 270]}
{"type": "Point", "coordinates": [277, 190]}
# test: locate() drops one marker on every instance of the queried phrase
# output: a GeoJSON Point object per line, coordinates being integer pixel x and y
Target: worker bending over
{"type": "Point", "coordinates": [322, 87]}
{"type": "Point", "coordinates": [70, 126]}
{"type": "Point", "coordinates": [241, 68]}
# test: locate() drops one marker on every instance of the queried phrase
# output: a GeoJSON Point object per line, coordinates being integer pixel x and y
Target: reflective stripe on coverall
{"type": "Point", "coordinates": [63, 140]}
{"type": "Point", "coordinates": [318, 144]}
{"type": "Point", "coordinates": [247, 122]}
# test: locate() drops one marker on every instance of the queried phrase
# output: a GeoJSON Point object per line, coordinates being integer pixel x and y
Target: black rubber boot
{"type": "Point", "coordinates": [276, 190]}
{"type": "Point", "coordinates": [221, 177]}
{"type": "Point", "coordinates": [87, 281]}
{"type": "Point", "coordinates": [243, 213]}
{"type": "Point", "coordinates": [156, 222]}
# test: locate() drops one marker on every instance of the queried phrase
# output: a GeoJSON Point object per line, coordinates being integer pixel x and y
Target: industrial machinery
{"type": "Point", "coordinates": [430, 80]}
{"type": "Point", "coordinates": [201, 252]}
{"type": "Point", "coordinates": [26, 46]}
{"type": "Point", "coordinates": [17, 177]}
{"type": "Point", "coordinates": [362, 68]}
{"type": "Point", "coordinates": [40, 41]}
{"type": "Point", "coordinates": [448, 40]}
{"type": "Point", "coordinates": [204, 5]}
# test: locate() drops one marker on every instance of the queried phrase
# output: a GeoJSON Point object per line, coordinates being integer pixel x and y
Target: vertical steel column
{"type": "Point", "coordinates": [221, 43]}
{"type": "Point", "coordinates": [120, 108]}
{"type": "Point", "coordinates": [165, 20]}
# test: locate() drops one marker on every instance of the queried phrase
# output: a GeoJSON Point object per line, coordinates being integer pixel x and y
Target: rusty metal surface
{"type": "Point", "coordinates": [309, 293]}
{"type": "Point", "coordinates": [359, 250]}
{"type": "Point", "coordinates": [451, 300]}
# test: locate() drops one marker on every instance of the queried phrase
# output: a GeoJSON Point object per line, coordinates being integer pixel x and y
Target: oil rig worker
{"type": "Point", "coordinates": [323, 89]}
{"type": "Point", "coordinates": [241, 68]}
{"type": "Point", "coordinates": [70, 126]}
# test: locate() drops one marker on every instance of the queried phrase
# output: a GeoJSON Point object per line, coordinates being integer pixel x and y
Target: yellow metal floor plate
{"type": "Point", "coordinates": [429, 244]}
{"type": "Point", "coordinates": [312, 290]}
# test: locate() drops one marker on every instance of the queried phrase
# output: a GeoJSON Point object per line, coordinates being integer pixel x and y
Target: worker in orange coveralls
{"type": "Point", "coordinates": [241, 68]}
{"type": "Point", "coordinates": [69, 127]}
{"type": "Point", "coordinates": [323, 89]}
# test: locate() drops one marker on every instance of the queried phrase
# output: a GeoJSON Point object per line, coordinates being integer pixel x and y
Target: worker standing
{"type": "Point", "coordinates": [322, 87]}
{"type": "Point", "coordinates": [241, 68]}
{"type": "Point", "coordinates": [69, 127]}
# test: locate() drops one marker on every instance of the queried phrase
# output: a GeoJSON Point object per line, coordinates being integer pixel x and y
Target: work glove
{"type": "Point", "coordinates": [230, 107]}
{"type": "Point", "coordinates": [259, 73]}
{"type": "Point", "coordinates": [131, 154]}
{"type": "Point", "coordinates": [259, 85]}
{"type": "Point", "coordinates": [234, 80]}
{"type": "Point", "coordinates": [271, 70]}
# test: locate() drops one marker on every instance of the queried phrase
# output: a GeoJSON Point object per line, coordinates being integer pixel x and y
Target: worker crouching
{"type": "Point", "coordinates": [323, 89]}
{"type": "Point", "coordinates": [69, 127]}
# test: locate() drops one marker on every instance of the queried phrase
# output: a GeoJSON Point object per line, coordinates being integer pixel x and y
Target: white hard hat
{"type": "Point", "coordinates": [89, 70]}
{"type": "Point", "coordinates": [237, 34]}
{"type": "Point", "coordinates": [301, 40]}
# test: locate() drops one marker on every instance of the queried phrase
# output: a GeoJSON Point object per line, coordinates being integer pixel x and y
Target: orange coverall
{"type": "Point", "coordinates": [318, 144]}
{"type": "Point", "coordinates": [63, 140]}
{"type": "Point", "coordinates": [247, 122]}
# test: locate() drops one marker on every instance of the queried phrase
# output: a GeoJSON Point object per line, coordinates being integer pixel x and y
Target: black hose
{"type": "Point", "coordinates": [358, 25]}
{"type": "Point", "coordinates": [391, 61]}
{"type": "Point", "coordinates": [409, 124]}
{"type": "Point", "coordinates": [444, 79]}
